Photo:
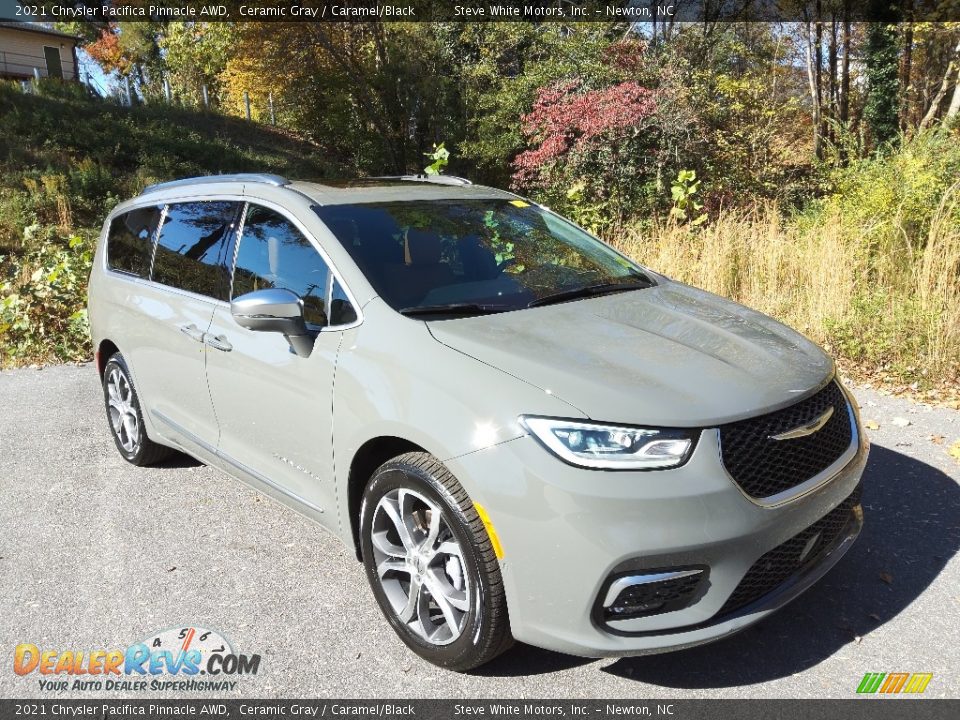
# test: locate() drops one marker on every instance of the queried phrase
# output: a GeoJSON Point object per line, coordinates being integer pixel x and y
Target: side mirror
{"type": "Point", "coordinates": [275, 310]}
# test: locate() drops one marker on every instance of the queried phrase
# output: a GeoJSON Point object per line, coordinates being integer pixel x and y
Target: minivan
{"type": "Point", "coordinates": [522, 433]}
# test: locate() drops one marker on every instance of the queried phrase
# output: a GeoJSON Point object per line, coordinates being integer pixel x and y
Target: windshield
{"type": "Point", "coordinates": [475, 256]}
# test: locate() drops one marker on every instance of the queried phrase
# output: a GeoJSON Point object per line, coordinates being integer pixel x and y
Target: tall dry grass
{"type": "Point", "coordinates": [879, 304]}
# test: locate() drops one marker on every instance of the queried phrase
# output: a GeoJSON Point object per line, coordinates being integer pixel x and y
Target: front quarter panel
{"type": "Point", "coordinates": [394, 379]}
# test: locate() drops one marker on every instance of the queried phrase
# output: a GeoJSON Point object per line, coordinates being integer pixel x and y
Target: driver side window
{"type": "Point", "coordinates": [273, 253]}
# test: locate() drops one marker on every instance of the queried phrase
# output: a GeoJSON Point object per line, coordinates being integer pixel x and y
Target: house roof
{"type": "Point", "coordinates": [35, 28]}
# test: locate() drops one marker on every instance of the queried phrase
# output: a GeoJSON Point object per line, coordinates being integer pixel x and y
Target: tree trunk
{"type": "Point", "coordinates": [845, 77]}
{"type": "Point", "coordinates": [832, 68]}
{"type": "Point", "coordinates": [818, 73]}
{"type": "Point", "coordinates": [954, 101]}
{"type": "Point", "coordinates": [950, 76]}
{"type": "Point", "coordinates": [906, 67]}
{"type": "Point", "coordinates": [812, 78]}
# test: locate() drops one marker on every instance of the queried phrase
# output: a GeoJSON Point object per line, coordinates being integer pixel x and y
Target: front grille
{"type": "Point", "coordinates": [765, 467]}
{"type": "Point", "coordinates": [788, 558]}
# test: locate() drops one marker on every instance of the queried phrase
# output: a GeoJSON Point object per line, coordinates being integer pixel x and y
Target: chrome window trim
{"type": "Point", "coordinates": [236, 247]}
{"type": "Point", "coordinates": [156, 239]}
{"type": "Point", "coordinates": [152, 284]}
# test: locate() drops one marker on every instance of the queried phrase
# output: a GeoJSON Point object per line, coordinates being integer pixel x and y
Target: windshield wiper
{"type": "Point", "coordinates": [638, 282]}
{"type": "Point", "coordinates": [454, 309]}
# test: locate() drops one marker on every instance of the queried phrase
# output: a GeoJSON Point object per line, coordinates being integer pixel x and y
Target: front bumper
{"type": "Point", "coordinates": [565, 531]}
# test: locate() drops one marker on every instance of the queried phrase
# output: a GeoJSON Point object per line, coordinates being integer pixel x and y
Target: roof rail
{"type": "Point", "coordinates": [264, 178]}
{"type": "Point", "coordinates": [435, 179]}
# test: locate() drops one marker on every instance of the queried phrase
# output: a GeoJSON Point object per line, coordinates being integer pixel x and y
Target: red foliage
{"type": "Point", "coordinates": [563, 119]}
{"type": "Point", "coordinates": [106, 50]}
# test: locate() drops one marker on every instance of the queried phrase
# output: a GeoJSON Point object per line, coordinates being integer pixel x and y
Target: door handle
{"type": "Point", "coordinates": [219, 342]}
{"type": "Point", "coordinates": [192, 332]}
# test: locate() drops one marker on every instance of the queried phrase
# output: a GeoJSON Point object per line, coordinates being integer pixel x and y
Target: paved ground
{"type": "Point", "coordinates": [95, 553]}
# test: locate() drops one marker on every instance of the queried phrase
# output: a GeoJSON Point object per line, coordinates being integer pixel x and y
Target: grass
{"type": "Point", "coordinates": [65, 160]}
{"type": "Point", "coordinates": [65, 155]}
{"type": "Point", "coordinates": [882, 312]}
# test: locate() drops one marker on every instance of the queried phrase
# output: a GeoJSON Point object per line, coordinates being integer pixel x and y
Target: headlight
{"type": "Point", "coordinates": [612, 447]}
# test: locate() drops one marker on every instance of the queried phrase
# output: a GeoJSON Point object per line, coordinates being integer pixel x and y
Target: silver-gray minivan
{"type": "Point", "coordinates": [522, 433]}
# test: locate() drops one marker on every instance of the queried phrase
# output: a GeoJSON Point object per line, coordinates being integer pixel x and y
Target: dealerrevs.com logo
{"type": "Point", "coordinates": [178, 659]}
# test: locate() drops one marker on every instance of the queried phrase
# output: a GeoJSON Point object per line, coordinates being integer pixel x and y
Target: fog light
{"type": "Point", "coordinates": [639, 595]}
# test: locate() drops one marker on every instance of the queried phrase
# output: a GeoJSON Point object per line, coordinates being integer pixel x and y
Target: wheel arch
{"type": "Point", "coordinates": [369, 456]}
{"type": "Point", "coordinates": [104, 352]}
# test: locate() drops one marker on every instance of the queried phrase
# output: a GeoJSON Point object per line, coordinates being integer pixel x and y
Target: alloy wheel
{"type": "Point", "coordinates": [124, 418]}
{"type": "Point", "coordinates": [420, 566]}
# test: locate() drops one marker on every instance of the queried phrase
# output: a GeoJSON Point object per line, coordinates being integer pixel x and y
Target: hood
{"type": "Point", "coordinates": [669, 355]}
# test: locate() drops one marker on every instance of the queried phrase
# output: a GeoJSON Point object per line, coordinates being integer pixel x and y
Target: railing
{"type": "Point", "coordinates": [26, 66]}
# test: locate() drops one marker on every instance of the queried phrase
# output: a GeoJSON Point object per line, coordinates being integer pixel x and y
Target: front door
{"type": "Point", "coordinates": [275, 407]}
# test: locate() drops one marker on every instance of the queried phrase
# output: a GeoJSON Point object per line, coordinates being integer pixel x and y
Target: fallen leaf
{"type": "Point", "coordinates": [875, 616]}
{"type": "Point", "coordinates": [900, 421]}
{"type": "Point", "coordinates": [857, 639]}
{"type": "Point", "coordinates": [171, 568]}
{"type": "Point", "coordinates": [871, 425]}
{"type": "Point", "coordinates": [887, 578]}
{"type": "Point", "coordinates": [954, 450]}
{"type": "Point", "coordinates": [937, 439]}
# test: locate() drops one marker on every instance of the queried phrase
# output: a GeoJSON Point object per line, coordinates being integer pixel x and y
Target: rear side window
{"type": "Point", "coordinates": [130, 240]}
{"type": "Point", "coordinates": [274, 254]}
{"type": "Point", "coordinates": [192, 246]}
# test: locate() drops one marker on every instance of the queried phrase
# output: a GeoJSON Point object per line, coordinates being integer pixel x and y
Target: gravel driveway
{"type": "Point", "coordinates": [95, 553]}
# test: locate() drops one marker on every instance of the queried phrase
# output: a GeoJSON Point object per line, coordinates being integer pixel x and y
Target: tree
{"type": "Point", "coordinates": [881, 110]}
{"type": "Point", "coordinates": [195, 55]}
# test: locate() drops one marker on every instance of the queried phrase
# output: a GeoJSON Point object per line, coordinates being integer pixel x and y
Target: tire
{"type": "Point", "coordinates": [446, 554]}
{"type": "Point", "coordinates": [125, 416]}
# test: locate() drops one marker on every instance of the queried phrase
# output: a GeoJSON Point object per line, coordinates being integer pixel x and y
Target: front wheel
{"type": "Point", "coordinates": [431, 564]}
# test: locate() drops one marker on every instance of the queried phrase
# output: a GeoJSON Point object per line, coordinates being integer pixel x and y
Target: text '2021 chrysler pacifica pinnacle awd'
{"type": "Point", "coordinates": [522, 433]}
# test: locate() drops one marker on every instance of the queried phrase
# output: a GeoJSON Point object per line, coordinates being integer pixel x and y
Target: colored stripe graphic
{"type": "Point", "coordinates": [870, 682]}
{"type": "Point", "coordinates": [918, 682]}
{"type": "Point", "coordinates": [894, 683]}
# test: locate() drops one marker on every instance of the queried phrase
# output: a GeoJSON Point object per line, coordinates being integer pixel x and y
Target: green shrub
{"type": "Point", "coordinates": [890, 199]}
{"type": "Point", "coordinates": [43, 314]}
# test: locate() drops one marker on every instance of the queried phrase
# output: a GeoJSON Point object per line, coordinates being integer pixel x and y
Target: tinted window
{"type": "Point", "coordinates": [341, 310]}
{"type": "Point", "coordinates": [274, 254]}
{"type": "Point", "coordinates": [504, 254]}
{"type": "Point", "coordinates": [130, 240]}
{"type": "Point", "coordinates": [192, 245]}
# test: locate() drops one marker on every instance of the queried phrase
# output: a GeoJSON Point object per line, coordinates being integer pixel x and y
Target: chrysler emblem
{"type": "Point", "coordinates": [807, 428]}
